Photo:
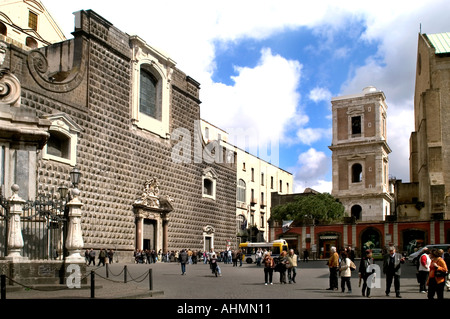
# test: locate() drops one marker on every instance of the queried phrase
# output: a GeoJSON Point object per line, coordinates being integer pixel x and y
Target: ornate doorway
{"type": "Point", "coordinates": [151, 212]}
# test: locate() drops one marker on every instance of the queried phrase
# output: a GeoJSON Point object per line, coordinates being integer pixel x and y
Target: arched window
{"type": "Point", "coordinates": [356, 173]}
{"type": "Point", "coordinates": [241, 223]}
{"type": "Point", "coordinates": [31, 43]}
{"type": "Point", "coordinates": [148, 97]}
{"type": "Point", "coordinates": [356, 212]}
{"type": "Point", "coordinates": [241, 190]}
{"type": "Point", "coordinates": [3, 29]}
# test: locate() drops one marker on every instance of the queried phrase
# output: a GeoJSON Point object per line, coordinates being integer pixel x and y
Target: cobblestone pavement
{"type": "Point", "coordinates": [246, 282]}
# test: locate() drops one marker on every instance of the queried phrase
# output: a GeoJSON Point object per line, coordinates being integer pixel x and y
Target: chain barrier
{"type": "Point", "coordinates": [124, 271]}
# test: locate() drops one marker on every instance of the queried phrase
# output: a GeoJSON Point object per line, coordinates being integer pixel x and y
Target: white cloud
{"type": "Point", "coordinates": [262, 100]}
{"type": "Point", "coordinates": [321, 186]}
{"type": "Point", "coordinates": [310, 171]}
{"type": "Point", "coordinates": [309, 135]}
{"type": "Point", "coordinates": [320, 94]}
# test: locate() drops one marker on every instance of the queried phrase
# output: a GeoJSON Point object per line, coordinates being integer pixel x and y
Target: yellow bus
{"type": "Point", "coordinates": [249, 249]}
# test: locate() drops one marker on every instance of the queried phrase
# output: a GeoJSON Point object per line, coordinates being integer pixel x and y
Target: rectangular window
{"type": "Point", "coordinates": [32, 20]}
{"type": "Point", "coordinates": [356, 125]}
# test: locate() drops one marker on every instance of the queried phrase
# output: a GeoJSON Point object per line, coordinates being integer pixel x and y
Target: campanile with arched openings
{"type": "Point", "coordinates": [360, 154]}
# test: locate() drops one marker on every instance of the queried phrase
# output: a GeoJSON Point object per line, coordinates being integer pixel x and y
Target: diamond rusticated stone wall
{"type": "Point", "coordinates": [115, 156]}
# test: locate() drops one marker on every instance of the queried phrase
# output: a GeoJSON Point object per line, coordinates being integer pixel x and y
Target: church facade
{"type": "Point", "coordinates": [118, 110]}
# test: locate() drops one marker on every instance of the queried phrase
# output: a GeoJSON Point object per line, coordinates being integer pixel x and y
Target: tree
{"type": "Point", "coordinates": [321, 207]}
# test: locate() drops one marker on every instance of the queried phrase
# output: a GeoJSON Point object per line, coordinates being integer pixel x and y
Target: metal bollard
{"type": "Point", "coordinates": [3, 287]}
{"type": "Point", "coordinates": [150, 279]}
{"type": "Point", "coordinates": [92, 284]}
{"type": "Point", "coordinates": [107, 271]}
{"type": "Point", "coordinates": [125, 274]}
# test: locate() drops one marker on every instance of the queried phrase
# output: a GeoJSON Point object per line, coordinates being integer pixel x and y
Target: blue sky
{"type": "Point", "coordinates": [270, 68]}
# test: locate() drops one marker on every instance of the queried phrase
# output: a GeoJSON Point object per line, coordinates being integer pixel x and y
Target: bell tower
{"type": "Point", "coordinates": [360, 155]}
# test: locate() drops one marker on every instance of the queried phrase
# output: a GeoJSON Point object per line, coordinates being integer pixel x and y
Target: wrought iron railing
{"type": "Point", "coordinates": [44, 225]}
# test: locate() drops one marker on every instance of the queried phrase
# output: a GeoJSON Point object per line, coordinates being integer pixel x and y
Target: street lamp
{"type": "Point", "coordinates": [75, 176]}
{"type": "Point", "coordinates": [63, 190]}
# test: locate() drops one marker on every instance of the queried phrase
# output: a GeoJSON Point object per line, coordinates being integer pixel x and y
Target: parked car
{"type": "Point", "coordinates": [377, 253]}
{"type": "Point", "coordinates": [414, 256]}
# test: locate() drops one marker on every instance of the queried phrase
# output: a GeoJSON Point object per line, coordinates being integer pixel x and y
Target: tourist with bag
{"type": "Point", "coordinates": [345, 272]}
{"type": "Point", "coordinates": [269, 265]}
{"type": "Point", "coordinates": [437, 276]}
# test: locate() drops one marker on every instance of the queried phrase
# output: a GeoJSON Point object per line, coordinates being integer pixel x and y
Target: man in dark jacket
{"type": "Point", "coordinates": [183, 261]}
{"type": "Point", "coordinates": [391, 267]}
{"type": "Point", "coordinates": [365, 272]}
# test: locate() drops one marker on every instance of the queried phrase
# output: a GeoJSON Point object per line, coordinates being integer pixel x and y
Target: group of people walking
{"type": "Point", "coordinates": [432, 273]}
{"type": "Point", "coordinates": [286, 262]}
{"type": "Point", "coordinates": [104, 256]}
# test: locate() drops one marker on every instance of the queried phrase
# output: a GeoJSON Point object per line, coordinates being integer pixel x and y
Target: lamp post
{"type": "Point", "coordinates": [75, 176]}
{"type": "Point", "coordinates": [74, 239]}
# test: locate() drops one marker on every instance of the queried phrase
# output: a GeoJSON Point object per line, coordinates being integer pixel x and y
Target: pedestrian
{"type": "Point", "coordinates": [234, 258]}
{"type": "Point", "coordinates": [239, 257]}
{"type": "Point", "coordinates": [259, 256]}
{"type": "Point", "coordinates": [86, 256]}
{"type": "Point", "coordinates": [292, 266]}
{"type": "Point", "coordinates": [305, 255]}
{"type": "Point", "coordinates": [423, 270]}
{"type": "Point", "coordinates": [391, 268]}
{"type": "Point", "coordinates": [333, 265]}
{"type": "Point", "coordinates": [281, 267]}
{"type": "Point", "coordinates": [447, 262]}
{"type": "Point", "coordinates": [184, 259]}
{"type": "Point", "coordinates": [101, 257]}
{"type": "Point", "coordinates": [111, 255]}
{"type": "Point", "coordinates": [437, 276]}
{"type": "Point", "coordinates": [345, 272]}
{"type": "Point", "coordinates": [91, 257]}
{"type": "Point", "coordinates": [269, 265]}
{"type": "Point", "coordinates": [351, 254]}
{"type": "Point", "coordinates": [365, 270]}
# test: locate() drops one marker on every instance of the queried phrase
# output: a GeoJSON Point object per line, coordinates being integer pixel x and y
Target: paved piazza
{"type": "Point", "coordinates": [247, 282]}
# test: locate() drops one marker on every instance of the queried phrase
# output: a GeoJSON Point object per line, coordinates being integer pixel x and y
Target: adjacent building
{"type": "Point", "coordinates": [28, 23]}
{"type": "Point", "coordinates": [256, 181]}
{"type": "Point", "coordinates": [360, 155]}
{"type": "Point", "coordinates": [430, 141]}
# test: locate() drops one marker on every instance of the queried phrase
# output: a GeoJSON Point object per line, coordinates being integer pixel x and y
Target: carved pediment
{"type": "Point", "coordinates": [151, 199]}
